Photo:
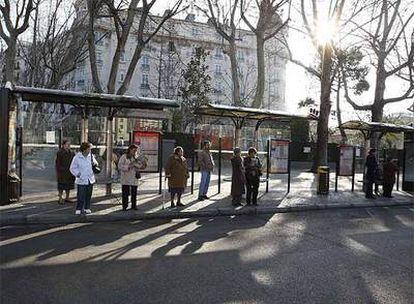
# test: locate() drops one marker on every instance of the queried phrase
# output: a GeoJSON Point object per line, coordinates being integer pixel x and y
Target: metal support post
{"type": "Point", "coordinates": [267, 165]}
{"type": "Point", "coordinates": [289, 169]}
{"type": "Point", "coordinates": [4, 144]}
{"type": "Point", "coordinates": [219, 167]}
{"type": "Point", "coordinates": [353, 169]}
{"type": "Point", "coordinates": [160, 163]}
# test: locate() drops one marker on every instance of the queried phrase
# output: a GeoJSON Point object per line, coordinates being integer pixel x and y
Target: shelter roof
{"type": "Point", "coordinates": [92, 99]}
{"type": "Point", "coordinates": [247, 113]}
{"type": "Point", "coordinates": [376, 127]}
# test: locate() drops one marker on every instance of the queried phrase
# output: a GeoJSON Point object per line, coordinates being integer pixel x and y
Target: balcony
{"type": "Point", "coordinates": [145, 67]}
{"type": "Point", "coordinates": [145, 86]}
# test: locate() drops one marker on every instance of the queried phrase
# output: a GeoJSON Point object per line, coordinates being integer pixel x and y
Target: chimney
{"type": "Point", "coordinates": [166, 12]}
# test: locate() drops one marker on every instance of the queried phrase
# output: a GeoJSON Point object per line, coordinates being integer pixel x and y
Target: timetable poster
{"type": "Point", "coordinates": [279, 156]}
{"type": "Point", "coordinates": [148, 143]}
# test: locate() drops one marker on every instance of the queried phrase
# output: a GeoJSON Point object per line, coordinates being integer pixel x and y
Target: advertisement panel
{"type": "Point", "coordinates": [409, 162]}
{"type": "Point", "coordinates": [346, 157]}
{"type": "Point", "coordinates": [148, 143]}
{"type": "Point", "coordinates": [279, 156]}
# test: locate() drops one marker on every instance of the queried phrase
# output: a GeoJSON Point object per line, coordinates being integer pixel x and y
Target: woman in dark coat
{"type": "Point", "coordinates": [176, 171]}
{"type": "Point", "coordinates": [65, 179]}
{"type": "Point", "coordinates": [253, 169]}
{"type": "Point", "coordinates": [390, 168]}
{"type": "Point", "coordinates": [238, 179]}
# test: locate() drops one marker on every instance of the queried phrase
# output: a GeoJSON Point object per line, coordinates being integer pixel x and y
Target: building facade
{"type": "Point", "coordinates": [159, 70]}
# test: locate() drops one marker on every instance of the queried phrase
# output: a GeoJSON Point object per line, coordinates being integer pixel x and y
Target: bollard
{"type": "Point", "coordinates": [323, 180]}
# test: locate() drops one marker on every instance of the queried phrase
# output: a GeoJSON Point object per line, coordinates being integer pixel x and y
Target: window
{"type": "Point", "coordinates": [240, 55]}
{"type": "Point", "coordinates": [99, 58]}
{"type": "Point", "coordinates": [145, 62]}
{"type": "Point", "coordinates": [219, 53]}
{"type": "Point", "coordinates": [144, 82]}
{"type": "Point", "coordinates": [195, 31]}
{"type": "Point", "coordinates": [217, 70]}
{"type": "Point", "coordinates": [122, 57]}
{"type": "Point", "coordinates": [17, 65]}
{"type": "Point", "coordinates": [121, 76]}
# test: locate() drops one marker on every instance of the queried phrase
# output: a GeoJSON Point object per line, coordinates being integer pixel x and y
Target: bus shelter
{"type": "Point", "coordinates": [277, 151]}
{"type": "Point", "coordinates": [368, 128]}
{"type": "Point", "coordinates": [85, 103]}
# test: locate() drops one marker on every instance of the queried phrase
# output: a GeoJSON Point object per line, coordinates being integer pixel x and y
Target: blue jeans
{"type": "Point", "coordinates": [204, 183]}
{"type": "Point", "coordinates": [84, 197]}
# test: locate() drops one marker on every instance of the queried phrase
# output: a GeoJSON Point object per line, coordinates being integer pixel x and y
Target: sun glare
{"type": "Point", "coordinates": [325, 31]}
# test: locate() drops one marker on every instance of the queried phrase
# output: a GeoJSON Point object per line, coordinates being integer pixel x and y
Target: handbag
{"type": "Point", "coordinates": [137, 174]}
{"type": "Point", "coordinates": [95, 168]}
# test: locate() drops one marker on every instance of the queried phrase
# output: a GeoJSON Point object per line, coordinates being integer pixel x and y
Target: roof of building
{"type": "Point", "coordinates": [92, 99]}
{"type": "Point", "coordinates": [247, 113]}
{"type": "Point", "coordinates": [376, 127]}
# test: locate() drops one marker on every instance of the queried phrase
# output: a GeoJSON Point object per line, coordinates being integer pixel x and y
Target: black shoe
{"type": "Point", "coordinates": [237, 204]}
{"type": "Point", "coordinates": [124, 208]}
{"type": "Point", "coordinates": [205, 197]}
{"type": "Point", "coordinates": [172, 206]}
{"type": "Point", "coordinates": [370, 197]}
{"type": "Point", "coordinates": [200, 198]}
{"type": "Point", "coordinates": [179, 204]}
{"type": "Point", "coordinates": [134, 208]}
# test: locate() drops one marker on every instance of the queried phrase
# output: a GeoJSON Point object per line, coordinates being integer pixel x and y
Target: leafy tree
{"type": "Point", "coordinates": [194, 90]}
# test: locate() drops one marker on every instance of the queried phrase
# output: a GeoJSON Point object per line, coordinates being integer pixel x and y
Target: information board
{"type": "Point", "coordinates": [409, 162]}
{"type": "Point", "coordinates": [346, 159]}
{"type": "Point", "coordinates": [50, 137]}
{"type": "Point", "coordinates": [279, 156]}
{"type": "Point", "coordinates": [148, 144]}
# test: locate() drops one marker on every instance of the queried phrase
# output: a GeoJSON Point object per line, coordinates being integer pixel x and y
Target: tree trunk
{"type": "Point", "coordinates": [321, 157]}
{"type": "Point", "coordinates": [131, 68]}
{"type": "Point", "coordinates": [338, 113]}
{"type": "Point", "coordinates": [377, 109]}
{"type": "Point", "coordinates": [258, 98]}
{"type": "Point", "coordinates": [91, 48]}
{"type": "Point", "coordinates": [234, 73]}
{"type": "Point", "coordinates": [114, 69]}
{"type": "Point", "coordinates": [10, 57]}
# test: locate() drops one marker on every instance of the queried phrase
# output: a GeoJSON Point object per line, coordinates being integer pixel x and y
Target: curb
{"type": "Point", "coordinates": [94, 218]}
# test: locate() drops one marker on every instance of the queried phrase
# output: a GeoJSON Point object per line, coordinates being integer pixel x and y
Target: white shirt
{"type": "Point", "coordinates": [81, 167]}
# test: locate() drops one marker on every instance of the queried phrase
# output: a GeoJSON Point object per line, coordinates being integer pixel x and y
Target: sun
{"type": "Point", "coordinates": [325, 31]}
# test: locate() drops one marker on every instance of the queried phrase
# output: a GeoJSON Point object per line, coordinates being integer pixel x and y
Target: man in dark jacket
{"type": "Point", "coordinates": [371, 173]}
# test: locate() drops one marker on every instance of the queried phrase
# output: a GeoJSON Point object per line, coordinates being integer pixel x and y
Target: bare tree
{"type": "Point", "coordinates": [224, 21]}
{"type": "Point", "coordinates": [13, 23]}
{"type": "Point", "coordinates": [268, 25]}
{"type": "Point", "coordinates": [123, 15]}
{"type": "Point", "coordinates": [389, 36]}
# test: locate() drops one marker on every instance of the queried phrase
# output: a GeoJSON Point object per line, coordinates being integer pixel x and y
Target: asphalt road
{"type": "Point", "coordinates": [338, 256]}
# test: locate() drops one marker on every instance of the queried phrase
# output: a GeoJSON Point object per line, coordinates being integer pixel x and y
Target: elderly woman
{"type": "Point", "coordinates": [81, 168]}
{"type": "Point", "coordinates": [129, 166]}
{"type": "Point", "coordinates": [238, 179]}
{"type": "Point", "coordinates": [176, 171]}
{"type": "Point", "coordinates": [65, 179]}
{"type": "Point", "coordinates": [253, 169]}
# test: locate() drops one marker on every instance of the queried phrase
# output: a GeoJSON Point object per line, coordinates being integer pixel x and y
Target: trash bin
{"type": "Point", "coordinates": [323, 180]}
{"type": "Point", "coordinates": [14, 183]}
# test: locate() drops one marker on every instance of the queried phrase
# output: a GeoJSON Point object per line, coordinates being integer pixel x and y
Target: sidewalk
{"type": "Point", "coordinates": [42, 208]}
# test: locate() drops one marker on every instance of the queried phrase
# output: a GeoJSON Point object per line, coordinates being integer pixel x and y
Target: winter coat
{"type": "Point", "coordinates": [253, 167]}
{"type": "Point", "coordinates": [63, 160]}
{"type": "Point", "coordinates": [177, 169]}
{"type": "Point", "coordinates": [128, 175]}
{"type": "Point", "coordinates": [372, 168]}
{"type": "Point", "coordinates": [389, 173]}
{"type": "Point", "coordinates": [205, 160]}
{"type": "Point", "coordinates": [238, 179]}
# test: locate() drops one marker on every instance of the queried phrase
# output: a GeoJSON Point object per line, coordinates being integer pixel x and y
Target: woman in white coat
{"type": "Point", "coordinates": [129, 166]}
